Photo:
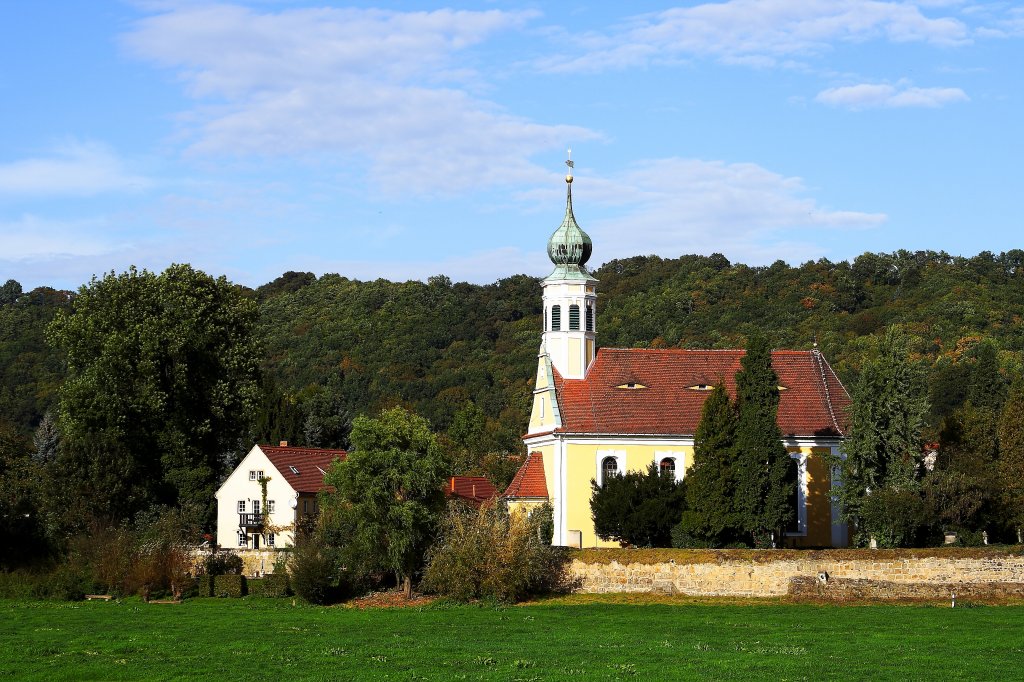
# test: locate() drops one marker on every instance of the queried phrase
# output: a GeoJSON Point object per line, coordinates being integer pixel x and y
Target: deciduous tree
{"type": "Point", "coordinates": [388, 492]}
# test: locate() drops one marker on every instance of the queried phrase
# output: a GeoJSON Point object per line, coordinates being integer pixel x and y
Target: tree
{"type": "Point", "coordinates": [637, 508]}
{"type": "Point", "coordinates": [1011, 457]}
{"type": "Point", "coordinates": [883, 445]}
{"type": "Point", "coordinates": [46, 439]}
{"type": "Point", "coordinates": [987, 386]}
{"type": "Point", "coordinates": [388, 491]}
{"type": "Point", "coordinates": [20, 536]}
{"type": "Point", "coordinates": [763, 490]}
{"type": "Point", "coordinates": [162, 378]}
{"type": "Point", "coordinates": [711, 517]}
{"type": "Point", "coordinates": [10, 291]}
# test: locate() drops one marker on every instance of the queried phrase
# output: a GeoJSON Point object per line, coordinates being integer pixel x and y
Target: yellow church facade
{"type": "Point", "coordinates": [598, 412]}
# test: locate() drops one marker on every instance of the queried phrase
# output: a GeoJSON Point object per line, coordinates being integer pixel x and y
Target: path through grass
{"type": "Point", "coordinates": [271, 639]}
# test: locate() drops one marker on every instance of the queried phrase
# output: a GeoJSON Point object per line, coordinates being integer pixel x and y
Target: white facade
{"type": "Point", "coordinates": [242, 493]}
{"type": "Point", "coordinates": [570, 314]}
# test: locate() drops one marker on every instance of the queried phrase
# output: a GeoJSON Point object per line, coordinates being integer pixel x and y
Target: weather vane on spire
{"type": "Point", "coordinates": [568, 161]}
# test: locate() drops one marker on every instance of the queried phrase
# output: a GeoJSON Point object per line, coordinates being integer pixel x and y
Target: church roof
{"type": "Point", "coordinates": [529, 480]}
{"type": "Point", "coordinates": [639, 391]}
{"type": "Point", "coordinates": [302, 468]}
{"type": "Point", "coordinates": [474, 489]}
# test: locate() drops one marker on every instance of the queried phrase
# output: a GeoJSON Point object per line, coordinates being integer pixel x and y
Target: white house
{"type": "Point", "coordinates": [273, 487]}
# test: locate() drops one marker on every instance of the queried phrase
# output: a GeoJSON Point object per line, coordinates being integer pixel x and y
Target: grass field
{"type": "Point", "coordinates": [271, 639]}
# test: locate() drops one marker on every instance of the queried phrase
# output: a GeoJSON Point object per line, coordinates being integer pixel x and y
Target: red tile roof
{"type": "Point", "coordinates": [310, 463]}
{"type": "Point", "coordinates": [529, 481]}
{"type": "Point", "coordinates": [475, 489]}
{"type": "Point", "coordinates": [813, 404]}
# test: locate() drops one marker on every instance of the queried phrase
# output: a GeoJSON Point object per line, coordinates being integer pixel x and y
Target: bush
{"type": "Point", "coordinates": [638, 508]}
{"type": "Point", "coordinates": [222, 563]}
{"type": "Point", "coordinates": [205, 585]}
{"type": "Point", "coordinates": [229, 586]}
{"type": "Point", "coordinates": [270, 585]}
{"type": "Point", "coordinates": [315, 573]}
{"type": "Point", "coordinates": [65, 584]}
{"type": "Point", "coordinates": [893, 518]}
{"type": "Point", "coordinates": [490, 553]}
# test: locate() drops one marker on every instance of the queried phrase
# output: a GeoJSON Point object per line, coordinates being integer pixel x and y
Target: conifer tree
{"type": "Point", "coordinates": [883, 444]}
{"type": "Point", "coordinates": [711, 517]}
{"type": "Point", "coordinates": [986, 386]}
{"type": "Point", "coordinates": [762, 463]}
{"type": "Point", "coordinates": [1011, 457]}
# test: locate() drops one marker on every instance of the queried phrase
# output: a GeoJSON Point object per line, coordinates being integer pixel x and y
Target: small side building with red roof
{"type": "Point", "coordinates": [272, 489]}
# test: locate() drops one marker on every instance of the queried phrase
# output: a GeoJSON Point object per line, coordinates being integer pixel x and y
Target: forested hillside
{"type": "Point", "coordinates": [463, 355]}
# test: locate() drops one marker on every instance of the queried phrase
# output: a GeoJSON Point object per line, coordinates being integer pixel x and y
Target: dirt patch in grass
{"type": "Point", "coordinates": [390, 599]}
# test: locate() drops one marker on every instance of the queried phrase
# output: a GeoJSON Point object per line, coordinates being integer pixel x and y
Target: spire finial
{"type": "Point", "coordinates": [571, 165]}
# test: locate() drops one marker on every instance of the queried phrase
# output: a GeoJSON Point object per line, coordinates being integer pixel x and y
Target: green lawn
{"type": "Point", "coordinates": [271, 639]}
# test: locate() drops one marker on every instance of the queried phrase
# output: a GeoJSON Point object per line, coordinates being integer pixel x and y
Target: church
{"type": "Point", "coordinates": [602, 411]}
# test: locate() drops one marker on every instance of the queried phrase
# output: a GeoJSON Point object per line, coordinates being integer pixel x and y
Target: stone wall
{"type": "Point", "coordinates": [770, 573]}
{"type": "Point", "coordinates": [254, 561]}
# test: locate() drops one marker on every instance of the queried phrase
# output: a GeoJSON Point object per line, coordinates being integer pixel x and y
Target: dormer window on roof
{"type": "Point", "coordinates": [631, 386]}
{"type": "Point", "coordinates": [701, 387]}
{"type": "Point", "coordinates": [782, 388]}
{"type": "Point", "coordinates": [294, 470]}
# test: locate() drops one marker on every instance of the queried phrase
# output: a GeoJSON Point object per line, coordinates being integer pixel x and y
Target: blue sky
{"type": "Point", "coordinates": [402, 140]}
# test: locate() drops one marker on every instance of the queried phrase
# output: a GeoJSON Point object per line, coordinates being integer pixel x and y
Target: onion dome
{"type": "Point", "coordinates": [569, 248]}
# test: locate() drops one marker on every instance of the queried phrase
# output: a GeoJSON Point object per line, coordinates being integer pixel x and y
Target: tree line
{"type": "Point", "coordinates": [143, 389]}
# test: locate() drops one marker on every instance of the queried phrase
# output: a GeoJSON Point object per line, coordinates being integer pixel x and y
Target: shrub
{"type": "Point", "coordinates": [222, 563]}
{"type": "Point", "coordinates": [229, 586]}
{"type": "Point", "coordinates": [205, 585]}
{"type": "Point", "coordinates": [491, 553]}
{"type": "Point", "coordinates": [66, 584]}
{"type": "Point", "coordinates": [893, 517]}
{"type": "Point", "coordinates": [315, 572]}
{"type": "Point", "coordinates": [638, 508]}
{"type": "Point", "coordinates": [271, 585]}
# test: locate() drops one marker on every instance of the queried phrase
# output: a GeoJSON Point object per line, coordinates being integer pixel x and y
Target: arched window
{"type": "Point", "coordinates": [609, 467]}
{"type": "Point", "coordinates": [667, 467]}
{"type": "Point", "coordinates": [590, 318]}
{"type": "Point", "coordinates": [556, 318]}
{"type": "Point", "coordinates": [574, 317]}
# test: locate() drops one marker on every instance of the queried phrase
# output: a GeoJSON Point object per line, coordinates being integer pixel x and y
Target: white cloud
{"type": "Point", "coordinates": [357, 86]}
{"type": "Point", "coordinates": [756, 32]}
{"type": "Point", "coordinates": [31, 238]}
{"type": "Point", "coordinates": [881, 95]}
{"type": "Point", "coordinates": [677, 206]}
{"type": "Point", "coordinates": [71, 169]}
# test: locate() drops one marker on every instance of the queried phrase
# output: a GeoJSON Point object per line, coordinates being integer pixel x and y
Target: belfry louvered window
{"type": "Point", "coordinates": [556, 318]}
{"type": "Point", "coordinates": [590, 318]}
{"type": "Point", "coordinates": [574, 317]}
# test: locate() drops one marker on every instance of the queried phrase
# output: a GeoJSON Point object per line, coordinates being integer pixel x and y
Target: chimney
{"type": "Point", "coordinates": [453, 484]}
{"type": "Point", "coordinates": [284, 444]}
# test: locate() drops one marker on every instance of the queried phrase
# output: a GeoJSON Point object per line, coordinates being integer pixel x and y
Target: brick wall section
{"type": "Point", "coordinates": [760, 576]}
{"type": "Point", "coordinates": [804, 588]}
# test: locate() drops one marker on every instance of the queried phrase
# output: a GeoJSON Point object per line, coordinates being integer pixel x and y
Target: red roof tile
{"type": "Point", "coordinates": [475, 489]}
{"type": "Point", "coordinates": [529, 481]}
{"type": "Point", "coordinates": [813, 404]}
{"type": "Point", "coordinates": [309, 464]}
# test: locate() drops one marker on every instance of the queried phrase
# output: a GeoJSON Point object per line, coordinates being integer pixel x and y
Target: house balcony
{"type": "Point", "coordinates": [250, 520]}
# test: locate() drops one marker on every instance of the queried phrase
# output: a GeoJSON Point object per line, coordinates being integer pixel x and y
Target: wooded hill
{"type": "Point", "coordinates": [464, 355]}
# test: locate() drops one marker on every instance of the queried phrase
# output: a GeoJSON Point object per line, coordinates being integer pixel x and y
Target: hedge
{"type": "Point", "coordinates": [205, 585]}
{"type": "Point", "coordinates": [229, 586]}
{"type": "Point", "coordinates": [271, 585]}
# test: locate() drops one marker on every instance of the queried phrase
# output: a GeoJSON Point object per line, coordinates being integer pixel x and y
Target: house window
{"type": "Point", "coordinates": [270, 540]}
{"type": "Point", "coordinates": [316, 506]}
{"type": "Point", "coordinates": [255, 506]}
{"type": "Point", "coordinates": [270, 506]}
{"type": "Point", "coordinates": [667, 467]}
{"type": "Point", "coordinates": [609, 467]}
{"type": "Point", "coordinates": [590, 318]}
{"type": "Point", "coordinates": [243, 541]}
{"type": "Point", "coordinates": [305, 506]}
{"type": "Point", "coordinates": [556, 318]}
{"type": "Point", "coordinates": [574, 317]}
{"type": "Point", "coordinates": [259, 475]}
{"type": "Point", "coordinates": [252, 475]}
{"type": "Point", "coordinates": [241, 506]}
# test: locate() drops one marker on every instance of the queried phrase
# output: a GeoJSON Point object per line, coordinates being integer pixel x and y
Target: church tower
{"type": "Point", "coordinates": [570, 297]}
